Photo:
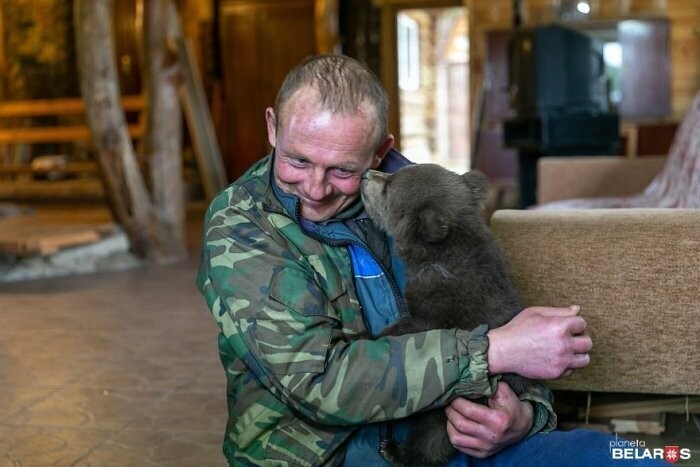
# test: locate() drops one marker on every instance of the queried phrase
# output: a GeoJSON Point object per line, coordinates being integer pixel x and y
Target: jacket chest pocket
{"type": "Point", "coordinates": [327, 276]}
{"type": "Point", "coordinates": [312, 287]}
{"type": "Point", "coordinates": [344, 305]}
{"type": "Point", "coordinates": [294, 330]}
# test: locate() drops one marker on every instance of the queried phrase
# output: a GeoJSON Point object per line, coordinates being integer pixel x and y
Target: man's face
{"type": "Point", "coordinates": [320, 156]}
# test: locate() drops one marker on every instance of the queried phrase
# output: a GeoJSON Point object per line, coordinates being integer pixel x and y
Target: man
{"type": "Point", "coordinates": [297, 277]}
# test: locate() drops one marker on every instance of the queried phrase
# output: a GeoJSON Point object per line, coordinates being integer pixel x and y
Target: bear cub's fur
{"type": "Point", "coordinates": [457, 275]}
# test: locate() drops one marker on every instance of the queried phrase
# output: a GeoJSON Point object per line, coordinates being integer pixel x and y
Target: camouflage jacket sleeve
{"type": "Point", "coordinates": [283, 314]}
{"type": "Point", "coordinates": [544, 417]}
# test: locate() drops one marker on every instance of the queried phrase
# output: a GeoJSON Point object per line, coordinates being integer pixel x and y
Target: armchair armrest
{"type": "Point", "coordinates": [586, 177]}
{"type": "Point", "coordinates": [635, 274]}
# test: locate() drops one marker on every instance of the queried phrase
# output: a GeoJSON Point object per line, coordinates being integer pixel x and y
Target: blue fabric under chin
{"type": "Point", "coordinates": [393, 161]}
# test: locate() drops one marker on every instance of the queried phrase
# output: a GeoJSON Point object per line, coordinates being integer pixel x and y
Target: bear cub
{"type": "Point", "coordinates": [457, 275]}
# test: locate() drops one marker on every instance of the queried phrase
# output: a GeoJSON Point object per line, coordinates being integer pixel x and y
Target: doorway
{"type": "Point", "coordinates": [432, 71]}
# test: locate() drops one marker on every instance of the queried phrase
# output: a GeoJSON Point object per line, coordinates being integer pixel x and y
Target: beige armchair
{"type": "Point", "coordinates": [636, 275]}
{"type": "Point", "coordinates": [616, 182]}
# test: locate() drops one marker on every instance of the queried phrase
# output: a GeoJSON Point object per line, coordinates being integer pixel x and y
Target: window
{"type": "Point", "coordinates": [612, 54]}
{"type": "Point", "coordinates": [408, 53]}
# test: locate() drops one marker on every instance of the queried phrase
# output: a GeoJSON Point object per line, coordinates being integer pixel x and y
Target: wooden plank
{"type": "Point", "coordinates": [33, 234]}
{"type": "Point", "coordinates": [81, 188]}
{"type": "Point", "coordinates": [652, 424]}
{"type": "Point", "coordinates": [627, 409]}
{"type": "Point", "coordinates": [68, 168]}
{"type": "Point", "coordinates": [567, 426]}
{"type": "Point", "coordinates": [59, 134]}
{"type": "Point", "coordinates": [54, 242]}
{"type": "Point", "coordinates": [197, 114]}
{"type": "Point", "coordinates": [66, 106]}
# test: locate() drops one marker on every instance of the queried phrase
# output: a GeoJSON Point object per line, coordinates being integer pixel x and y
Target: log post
{"type": "Point", "coordinates": [155, 232]}
{"type": "Point", "coordinates": [163, 139]}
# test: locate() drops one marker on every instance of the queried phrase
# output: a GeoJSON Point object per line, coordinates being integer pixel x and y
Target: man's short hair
{"type": "Point", "coordinates": [343, 84]}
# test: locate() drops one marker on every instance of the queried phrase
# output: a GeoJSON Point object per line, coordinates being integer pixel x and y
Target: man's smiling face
{"type": "Point", "coordinates": [320, 156]}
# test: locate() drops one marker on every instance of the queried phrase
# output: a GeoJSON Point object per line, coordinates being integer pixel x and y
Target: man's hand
{"type": "Point", "coordinates": [540, 343]}
{"type": "Point", "coordinates": [481, 431]}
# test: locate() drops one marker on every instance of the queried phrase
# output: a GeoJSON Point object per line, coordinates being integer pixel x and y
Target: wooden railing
{"type": "Point", "coordinates": [56, 107]}
{"type": "Point", "coordinates": [17, 179]}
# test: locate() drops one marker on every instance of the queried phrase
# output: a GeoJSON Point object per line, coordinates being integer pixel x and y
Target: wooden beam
{"type": "Point", "coordinates": [197, 114]}
{"type": "Point", "coordinates": [65, 106]}
{"type": "Point", "coordinates": [81, 188]}
{"type": "Point", "coordinates": [58, 134]}
{"type": "Point", "coordinates": [69, 168]}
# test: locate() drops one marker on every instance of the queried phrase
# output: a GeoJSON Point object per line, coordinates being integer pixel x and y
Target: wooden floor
{"type": "Point", "coordinates": [116, 369]}
{"type": "Point", "coordinates": [110, 369]}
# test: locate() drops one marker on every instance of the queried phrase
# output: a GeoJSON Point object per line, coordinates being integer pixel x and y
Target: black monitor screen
{"type": "Point", "coordinates": [555, 68]}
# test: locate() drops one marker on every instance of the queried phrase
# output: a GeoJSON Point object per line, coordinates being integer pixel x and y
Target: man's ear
{"type": "Point", "coordinates": [432, 225]}
{"type": "Point", "coordinates": [382, 151]}
{"type": "Point", "coordinates": [271, 120]}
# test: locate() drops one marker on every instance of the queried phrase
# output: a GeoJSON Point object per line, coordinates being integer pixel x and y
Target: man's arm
{"type": "Point", "coordinates": [554, 343]}
{"type": "Point", "coordinates": [279, 318]}
{"type": "Point", "coordinates": [540, 343]}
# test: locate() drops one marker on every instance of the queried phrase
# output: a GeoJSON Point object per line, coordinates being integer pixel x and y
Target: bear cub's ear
{"type": "Point", "coordinates": [478, 185]}
{"type": "Point", "coordinates": [432, 224]}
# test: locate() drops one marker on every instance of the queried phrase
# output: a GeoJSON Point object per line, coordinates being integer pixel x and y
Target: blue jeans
{"type": "Point", "coordinates": [577, 448]}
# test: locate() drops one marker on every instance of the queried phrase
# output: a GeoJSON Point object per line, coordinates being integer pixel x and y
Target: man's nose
{"type": "Point", "coordinates": [316, 186]}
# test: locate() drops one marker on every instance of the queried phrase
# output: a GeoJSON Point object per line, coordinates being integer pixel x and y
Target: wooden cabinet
{"type": "Point", "coordinates": [648, 137]}
{"type": "Point", "coordinates": [260, 41]}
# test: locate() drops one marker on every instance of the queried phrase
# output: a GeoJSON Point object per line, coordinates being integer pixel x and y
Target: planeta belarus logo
{"type": "Point", "coordinates": [637, 450]}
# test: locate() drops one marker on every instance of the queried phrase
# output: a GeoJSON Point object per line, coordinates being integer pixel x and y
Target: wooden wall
{"type": "Point", "coordinates": [684, 16]}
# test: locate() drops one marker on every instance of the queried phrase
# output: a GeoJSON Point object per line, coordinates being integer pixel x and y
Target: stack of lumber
{"type": "Point", "coordinates": [45, 233]}
{"type": "Point", "coordinates": [644, 416]}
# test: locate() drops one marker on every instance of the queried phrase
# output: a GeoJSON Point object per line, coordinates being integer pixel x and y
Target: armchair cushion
{"type": "Point", "coordinates": [562, 178]}
{"type": "Point", "coordinates": [635, 274]}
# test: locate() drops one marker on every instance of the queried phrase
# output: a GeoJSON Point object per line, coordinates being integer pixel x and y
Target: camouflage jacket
{"type": "Point", "coordinates": [302, 375]}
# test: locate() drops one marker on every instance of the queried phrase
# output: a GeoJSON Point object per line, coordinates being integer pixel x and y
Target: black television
{"type": "Point", "coordinates": [555, 68]}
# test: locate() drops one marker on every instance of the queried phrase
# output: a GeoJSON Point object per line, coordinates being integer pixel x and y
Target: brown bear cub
{"type": "Point", "coordinates": [457, 276]}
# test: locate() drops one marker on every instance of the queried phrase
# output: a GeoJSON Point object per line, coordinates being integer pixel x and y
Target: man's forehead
{"type": "Point", "coordinates": [309, 99]}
